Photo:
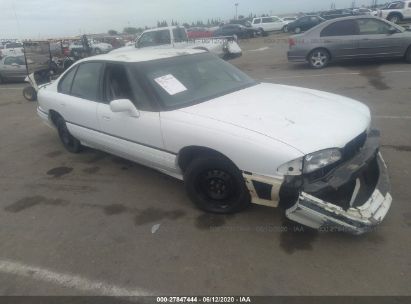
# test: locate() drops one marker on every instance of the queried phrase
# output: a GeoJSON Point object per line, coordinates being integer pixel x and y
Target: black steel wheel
{"type": "Point", "coordinates": [215, 185]}
{"type": "Point", "coordinates": [69, 142]}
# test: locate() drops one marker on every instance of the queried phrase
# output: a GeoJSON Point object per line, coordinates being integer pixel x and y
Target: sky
{"type": "Point", "coordinates": [38, 19]}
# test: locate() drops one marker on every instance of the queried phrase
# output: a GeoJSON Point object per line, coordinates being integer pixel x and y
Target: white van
{"type": "Point", "coordinates": [268, 24]}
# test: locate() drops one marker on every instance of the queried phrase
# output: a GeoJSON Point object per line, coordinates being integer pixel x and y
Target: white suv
{"type": "Point", "coordinates": [396, 11]}
{"type": "Point", "coordinates": [268, 24]}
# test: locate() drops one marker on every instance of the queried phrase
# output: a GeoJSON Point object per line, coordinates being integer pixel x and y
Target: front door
{"type": "Point", "coordinates": [375, 39]}
{"type": "Point", "coordinates": [136, 136]}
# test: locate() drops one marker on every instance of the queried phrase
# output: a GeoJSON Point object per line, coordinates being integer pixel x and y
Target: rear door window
{"type": "Point", "coordinates": [341, 28]}
{"type": "Point", "coordinates": [86, 83]}
{"type": "Point", "coordinates": [179, 35]}
{"type": "Point", "coordinates": [268, 20]}
{"type": "Point", "coordinates": [257, 21]}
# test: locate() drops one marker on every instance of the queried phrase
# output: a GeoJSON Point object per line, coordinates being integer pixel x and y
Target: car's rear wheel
{"type": "Point", "coordinates": [319, 58]}
{"type": "Point", "coordinates": [69, 142]}
{"type": "Point", "coordinates": [215, 185]}
{"type": "Point", "coordinates": [30, 93]}
{"type": "Point", "coordinates": [297, 30]}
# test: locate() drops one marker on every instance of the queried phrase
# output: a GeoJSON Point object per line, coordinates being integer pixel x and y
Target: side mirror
{"type": "Point", "coordinates": [124, 105]}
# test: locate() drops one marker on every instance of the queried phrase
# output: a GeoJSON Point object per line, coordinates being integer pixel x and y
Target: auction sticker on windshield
{"type": "Point", "coordinates": [171, 84]}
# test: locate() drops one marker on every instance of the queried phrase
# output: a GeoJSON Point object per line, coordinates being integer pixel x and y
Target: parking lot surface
{"type": "Point", "coordinates": [95, 224]}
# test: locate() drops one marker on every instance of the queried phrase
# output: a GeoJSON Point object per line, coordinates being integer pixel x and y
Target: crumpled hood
{"type": "Point", "coordinates": [307, 120]}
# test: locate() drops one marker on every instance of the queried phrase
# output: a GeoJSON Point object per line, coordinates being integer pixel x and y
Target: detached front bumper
{"type": "Point", "coordinates": [366, 203]}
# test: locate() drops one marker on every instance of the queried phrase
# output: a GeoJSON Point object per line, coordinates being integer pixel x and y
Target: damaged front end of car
{"type": "Point", "coordinates": [354, 196]}
{"type": "Point", "coordinates": [351, 193]}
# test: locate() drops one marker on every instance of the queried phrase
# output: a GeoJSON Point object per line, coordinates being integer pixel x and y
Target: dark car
{"type": "Point", "coordinates": [236, 29]}
{"type": "Point", "coordinates": [303, 24]}
{"type": "Point", "coordinates": [328, 15]}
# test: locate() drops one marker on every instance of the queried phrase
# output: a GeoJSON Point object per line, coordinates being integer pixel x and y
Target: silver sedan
{"type": "Point", "coordinates": [13, 68]}
{"type": "Point", "coordinates": [357, 37]}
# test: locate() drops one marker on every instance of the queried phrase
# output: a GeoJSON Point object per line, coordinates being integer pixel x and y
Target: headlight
{"type": "Point", "coordinates": [320, 159]}
{"type": "Point", "coordinates": [310, 162]}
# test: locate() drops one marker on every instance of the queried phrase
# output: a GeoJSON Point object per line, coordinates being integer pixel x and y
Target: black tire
{"type": "Point", "coordinates": [408, 55]}
{"type": "Point", "coordinates": [30, 93]}
{"type": "Point", "coordinates": [298, 30]}
{"type": "Point", "coordinates": [69, 142]}
{"type": "Point", "coordinates": [395, 18]}
{"type": "Point", "coordinates": [215, 185]}
{"type": "Point", "coordinates": [319, 58]}
{"type": "Point", "coordinates": [263, 33]}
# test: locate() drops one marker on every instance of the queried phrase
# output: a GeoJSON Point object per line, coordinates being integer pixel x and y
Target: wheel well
{"type": "Point", "coordinates": [188, 154]}
{"type": "Point", "coordinates": [54, 116]}
{"type": "Point", "coordinates": [395, 14]}
{"type": "Point", "coordinates": [320, 48]}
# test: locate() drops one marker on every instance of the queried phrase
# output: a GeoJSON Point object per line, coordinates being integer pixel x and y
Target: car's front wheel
{"type": "Point", "coordinates": [216, 185]}
{"type": "Point", "coordinates": [69, 142]}
{"type": "Point", "coordinates": [319, 58]}
{"type": "Point", "coordinates": [30, 93]}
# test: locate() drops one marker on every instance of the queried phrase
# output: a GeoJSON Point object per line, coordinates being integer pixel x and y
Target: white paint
{"type": "Point", "coordinates": [70, 281]}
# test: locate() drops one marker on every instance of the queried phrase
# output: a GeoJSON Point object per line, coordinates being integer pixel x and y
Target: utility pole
{"type": "Point", "coordinates": [236, 11]}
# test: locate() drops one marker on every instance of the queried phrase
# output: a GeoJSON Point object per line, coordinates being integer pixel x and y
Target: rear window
{"type": "Point", "coordinates": [340, 28]}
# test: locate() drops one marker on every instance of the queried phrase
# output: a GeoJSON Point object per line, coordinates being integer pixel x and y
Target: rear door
{"type": "Point", "coordinates": [341, 39]}
{"type": "Point", "coordinates": [79, 92]}
{"type": "Point", "coordinates": [375, 39]}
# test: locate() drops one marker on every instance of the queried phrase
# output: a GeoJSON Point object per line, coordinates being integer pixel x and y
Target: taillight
{"type": "Point", "coordinates": [291, 42]}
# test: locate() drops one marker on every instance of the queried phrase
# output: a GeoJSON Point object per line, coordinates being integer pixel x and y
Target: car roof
{"type": "Point", "coordinates": [162, 28]}
{"type": "Point", "coordinates": [143, 55]}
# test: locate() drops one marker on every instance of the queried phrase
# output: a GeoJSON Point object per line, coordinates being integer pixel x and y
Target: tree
{"type": "Point", "coordinates": [130, 30]}
{"type": "Point", "coordinates": [112, 32]}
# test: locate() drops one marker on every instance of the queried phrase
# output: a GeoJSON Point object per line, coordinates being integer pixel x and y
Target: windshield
{"type": "Point", "coordinates": [187, 80]}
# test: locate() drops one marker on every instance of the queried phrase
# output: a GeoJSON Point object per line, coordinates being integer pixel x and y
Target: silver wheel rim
{"type": "Point", "coordinates": [319, 59]}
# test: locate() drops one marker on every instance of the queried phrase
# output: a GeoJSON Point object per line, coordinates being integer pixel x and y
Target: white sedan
{"type": "Point", "coordinates": [231, 139]}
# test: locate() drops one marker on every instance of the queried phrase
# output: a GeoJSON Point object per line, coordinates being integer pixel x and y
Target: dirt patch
{"type": "Point", "coordinates": [59, 171]}
{"type": "Point", "coordinates": [29, 202]}
{"type": "Point", "coordinates": [208, 221]}
{"type": "Point", "coordinates": [91, 170]}
{"type": "Point", "coordinates": [295, 237]}
{"type": "Point", "coordinates": [114, 209]}
{"type": "Point", "coordinates": [54, 154]}
{"type": "Point", "coordinates": [374, 77]}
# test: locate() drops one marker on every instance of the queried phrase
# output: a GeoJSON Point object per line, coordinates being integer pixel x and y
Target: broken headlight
{"type": "Point", "coordinates": [320, 159]}
{"type": "Point", "coordinates": [310, 162]}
